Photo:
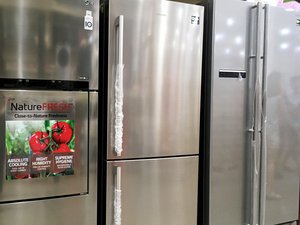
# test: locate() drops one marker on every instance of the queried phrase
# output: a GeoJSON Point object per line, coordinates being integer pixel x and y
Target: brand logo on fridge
{"type": "Point", "coordinates": [46, 106]}
{"type": "Point", "coordinates": [195, 20]}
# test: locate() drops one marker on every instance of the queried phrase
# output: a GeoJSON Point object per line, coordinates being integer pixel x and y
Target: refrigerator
{"type": "Point", "coordinates": [49, 112]}
{"type": "Point", "coordinates": [153, 76]}
{"type": "Point", "coordinates": [254, 150]}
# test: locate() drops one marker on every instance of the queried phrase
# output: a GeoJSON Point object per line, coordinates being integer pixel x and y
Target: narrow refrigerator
{"type": "Point", "coordinates": [49, 112]}
{"type": "Point", "coordinates": [154, 53]}
{"type": "Point", "coordinates": [254, 133]}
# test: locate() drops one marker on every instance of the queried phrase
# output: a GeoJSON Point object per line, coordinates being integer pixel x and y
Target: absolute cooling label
{"type": "Point", "coordinates": [39, 138]}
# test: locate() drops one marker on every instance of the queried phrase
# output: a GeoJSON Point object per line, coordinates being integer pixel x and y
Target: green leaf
{"type": "Point", "coordinates": [43, 174]}
{"type": "Point", "coordinates": [57, 174]}
{"type": "Point", "coordinates": [71, 122]}
{"type": "Point", "coordinates": [27, 148]}
{"type": "Point", "coordinates": [47, 126]}
{"type": "Point", "coordinates": [72, 142]}
{"type": "Point", "coordinates": [8, 142]}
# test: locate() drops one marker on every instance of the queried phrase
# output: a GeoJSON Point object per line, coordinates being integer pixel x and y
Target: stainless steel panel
{"type": "Point", "coordinates": [162, 77]}
{"type": "Point", "coordinates": [282, 116]}
{"type": "Point", "coordinates": [47, 40]}
{"type": "Point", "coordinates": [77, 210]}
{"type": "Point", "coordinates": [50, 186]}
{"type": "Point", "coordinates": [154, 191]}
{"type": "Point", "coordinates": [229, 113]}
{"type": "Point", "coordinates": [255, 154]}
{"type": "Point", "coordinates": [93, 142]}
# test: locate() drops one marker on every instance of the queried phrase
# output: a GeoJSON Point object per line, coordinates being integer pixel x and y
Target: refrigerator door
{"type": "Point", "coordinates": [228, 174]}
{"type": "Point", "coordinates": [44, 144]}
{"type": "Point", "coordinates": [154, 73]}
{"type": "Point", "coordinates": [152, 192]}
{"type": "Point", "coordinates": [53, 40]}
{"type": "Point", "coordinates": [282, 115]}
{"type": "Point", "coordinates": [62, 210]}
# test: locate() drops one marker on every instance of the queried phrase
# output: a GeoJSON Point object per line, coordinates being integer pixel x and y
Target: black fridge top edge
{"type": "Point", "coordinates": [51, 85]}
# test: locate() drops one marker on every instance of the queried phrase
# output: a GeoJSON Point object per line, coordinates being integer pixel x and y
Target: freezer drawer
{"type": "Point", "coordinates": [49, 40]}
{"type": "Point", "coordinates": [152, 192]}
{"type": "Point", "coordinates": [161, 82]}
{"type": "Point", "coordinates": [43, 145]}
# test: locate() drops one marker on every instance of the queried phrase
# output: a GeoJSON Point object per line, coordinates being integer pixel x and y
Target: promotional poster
{"type": "Point", "coordinates": [39, 138]}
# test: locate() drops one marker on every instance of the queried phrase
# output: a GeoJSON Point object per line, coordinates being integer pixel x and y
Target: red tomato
{"type": "Point", "coordinates": [39, 141]}
{"type": "Point", "coordinates": [21, 176]}
{"type": "Point", "coordinates": [63, 148]}
{"type": "Point", "coordinates": [62, 132]}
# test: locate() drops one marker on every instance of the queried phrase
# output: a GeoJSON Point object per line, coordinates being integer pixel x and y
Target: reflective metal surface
{"type": "Point", "coordinates": [47, 40]}
{"type": "Point", "coordinates": [50, 186]}
{"type": "Point", "coordinates": [282, 116]}
{"type": "Point", "coordinates": [229, 111]}
{"type": "Point", "coordinates": [67, 211]}
{"type": "Point", "coordinates": [255, 133]}
{"type": "Point", "coordinates": [274, 158]}
{"type": "Point", "coordinates": [162, 77]}
{"type": "Point", "coordinates": [154, 192]}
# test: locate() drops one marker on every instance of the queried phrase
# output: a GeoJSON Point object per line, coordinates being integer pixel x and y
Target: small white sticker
{"type": "Point", "coordinates": [88, 20]}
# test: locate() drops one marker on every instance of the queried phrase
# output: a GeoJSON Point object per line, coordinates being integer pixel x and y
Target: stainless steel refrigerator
{"type": "Point", "coordinates": [154, 66]}
{"type": "Point", "coordinates": [49, 112]}
{"type": "Point", "coordinates": [254, 132]}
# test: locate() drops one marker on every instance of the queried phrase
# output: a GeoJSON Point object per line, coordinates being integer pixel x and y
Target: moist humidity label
{"type": "Point", "coordinates": [39, 138]}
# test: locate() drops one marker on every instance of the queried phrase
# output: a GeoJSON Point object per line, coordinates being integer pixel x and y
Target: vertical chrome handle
{"type": "Point", "coordinates": [263, 180]}
{"type": "Point", "coordinates": [255, 122]}
{"type": "Point", "coordinates": [117, 197]}
{"type": "Point", "coordinates": [118, 126]}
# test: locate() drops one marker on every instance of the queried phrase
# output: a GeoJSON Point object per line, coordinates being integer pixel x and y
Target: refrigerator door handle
{"type": "Point", "coordinates": [119, 95]}
{"type": "Point", "coordinates": [117, 196]}
{"type": "Point", "coordinates": [255, 115]}
{"type": "Point", "coordinates": [263, 179]}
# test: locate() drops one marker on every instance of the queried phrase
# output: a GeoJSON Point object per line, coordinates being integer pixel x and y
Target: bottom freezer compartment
{"type": "Point", "coordinates": [58, 211]}
{"type": "Point", "coordinates": [152, 192]}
